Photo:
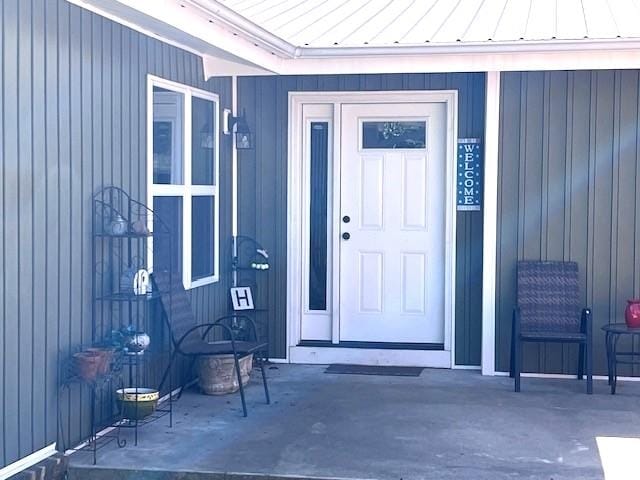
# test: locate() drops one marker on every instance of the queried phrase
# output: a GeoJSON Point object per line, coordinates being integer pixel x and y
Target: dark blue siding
{"type": "Point", "coordinates": [73, 118]}
{"type": "Point", "coordinates": [569, 166]}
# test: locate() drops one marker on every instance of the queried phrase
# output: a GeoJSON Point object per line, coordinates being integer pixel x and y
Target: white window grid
{"type": "Point", "coordinates": [187, 190]}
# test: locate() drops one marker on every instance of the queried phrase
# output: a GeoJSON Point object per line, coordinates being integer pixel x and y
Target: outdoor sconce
{"type": "Point", "coordinates": [244, 137]}
{"type": "Point", "coordinates": [206, 136]}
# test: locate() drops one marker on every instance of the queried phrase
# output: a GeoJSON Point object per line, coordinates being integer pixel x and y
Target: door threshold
{"type": "Point", "coordinates": [376, 345]}
{"type": "Point", "coordinates": [324, 355]}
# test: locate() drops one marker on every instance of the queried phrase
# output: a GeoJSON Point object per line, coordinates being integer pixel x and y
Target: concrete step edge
{"type": "Point", "coordinates": [83, 472]}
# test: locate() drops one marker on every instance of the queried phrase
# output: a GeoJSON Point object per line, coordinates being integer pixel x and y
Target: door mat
{"type": "Point", "coordinates": [374, 370]}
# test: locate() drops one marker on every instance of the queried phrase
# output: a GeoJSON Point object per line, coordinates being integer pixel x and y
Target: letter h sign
{"type": "Point", "coordinates": [241, 298]}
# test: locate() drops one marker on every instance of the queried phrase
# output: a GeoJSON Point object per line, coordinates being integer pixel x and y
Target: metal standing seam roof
{"type": "Point", "coordinates": [384, 23]}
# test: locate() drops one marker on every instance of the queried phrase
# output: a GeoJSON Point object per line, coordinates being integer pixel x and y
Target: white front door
{"type": "Point", "coordinates": [392, 222]}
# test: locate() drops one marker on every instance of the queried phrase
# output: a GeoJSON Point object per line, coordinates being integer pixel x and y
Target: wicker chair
{"type": "Point", "coordinates": [240, 332]}
{"type": "Point", "coordinates": [548, 310]}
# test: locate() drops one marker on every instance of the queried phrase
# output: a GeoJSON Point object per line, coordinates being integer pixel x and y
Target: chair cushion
{"type": "Point", "coordinates": [222, 348]}
{"type": "Point", "coordinates": [553, 336]}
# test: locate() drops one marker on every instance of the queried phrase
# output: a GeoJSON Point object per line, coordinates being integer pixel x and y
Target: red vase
{"type": "Point", "coordinates": [632, 313]}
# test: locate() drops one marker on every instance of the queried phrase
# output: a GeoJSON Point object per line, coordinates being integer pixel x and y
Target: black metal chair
{"type": "Point", "coordinates": [240, 332]}
{"type": "Point", "coordinates": [548, 310]}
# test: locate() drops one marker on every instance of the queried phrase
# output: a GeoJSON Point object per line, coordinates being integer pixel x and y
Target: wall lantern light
{"type": "Point", "coordinates": [244, 137]}
{"type": "Point", "coordinates": [206, 136]}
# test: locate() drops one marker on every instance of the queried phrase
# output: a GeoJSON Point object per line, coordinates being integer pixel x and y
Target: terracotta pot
{"type": "Point", "coordinates": [632, 313]}
{"type": "Point", "coordinates": [106, 357]}
{"type": "Point", "coordinates": [87, 365]}
{"type": "Point", "coordinates": [217, 373]}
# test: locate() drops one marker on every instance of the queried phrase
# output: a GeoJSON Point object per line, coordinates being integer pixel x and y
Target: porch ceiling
{"type": "Point", "coordinates": [398, 23]}
{"type": "Point", "coordinates": [257, 37]}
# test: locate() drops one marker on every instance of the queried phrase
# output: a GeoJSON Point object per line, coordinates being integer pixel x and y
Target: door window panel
{"type": "Point", "coordinates": [389, 135]}
{"type": "Point", "coordinates": [318, 216]}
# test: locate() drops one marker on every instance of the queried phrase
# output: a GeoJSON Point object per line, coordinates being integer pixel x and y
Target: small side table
{"type": "Point", "coordinates": [613, 332]}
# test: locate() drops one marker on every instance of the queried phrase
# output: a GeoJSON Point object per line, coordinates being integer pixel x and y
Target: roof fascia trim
{"type": "Point", "coordinates": [245, 27]}
{"type": "Point", "coordinates": [442, 63]}
{"type": "Point", "coordinates": [473, 48]}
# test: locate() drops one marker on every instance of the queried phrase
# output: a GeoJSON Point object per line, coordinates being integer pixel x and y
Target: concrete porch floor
{"type": "Point", "coordinates": [445, 424]}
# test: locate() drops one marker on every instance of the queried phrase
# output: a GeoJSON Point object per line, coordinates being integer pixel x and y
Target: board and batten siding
{"type": "Point", "coordinates": [73, 118]}
{"type": "Point", "coordinates": [569, 190]}
{"type": "Point", "coordinates": [262, 185]}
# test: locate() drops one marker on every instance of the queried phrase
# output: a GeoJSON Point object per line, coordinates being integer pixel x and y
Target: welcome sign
{"type": "Point", "coordinates": [469, 180]}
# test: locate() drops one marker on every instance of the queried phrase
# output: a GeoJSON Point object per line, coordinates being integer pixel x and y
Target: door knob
{"type": "Point", "coordinates": [346, 235]}
{"type": "Point", "coordinates": [346, 219]}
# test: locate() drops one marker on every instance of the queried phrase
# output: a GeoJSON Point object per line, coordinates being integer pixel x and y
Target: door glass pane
{"type": "Point", "coordinates": [318, 216]}
{"type": "Point", "coordinates": [168, 128]}
{"type": "Point", "coordinates": [203, 140]}
{"type": "Point", "coordinates": [388, 135]}
{"type": "Point", "coordinates": [202, 237]}
{"type": "Point", "coordinates": [167, 249]}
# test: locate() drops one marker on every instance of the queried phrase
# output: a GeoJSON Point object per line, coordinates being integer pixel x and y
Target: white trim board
{"type": "Point", "coordinates": [295, 205]}
{"type": "Point", "coordinates": [234, 161]}
{"type": "Point", "coordinates": [28, 461]}
{"type": "Point", "coordinates": [460, 60]}
{"type": "Point", "coordinates": [234, 176]}
{"type": "Point", "coordinates": [490, 222]}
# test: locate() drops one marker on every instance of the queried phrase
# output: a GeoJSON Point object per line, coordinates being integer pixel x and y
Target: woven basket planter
{"type": "Point", "coordinates": [217, 373]}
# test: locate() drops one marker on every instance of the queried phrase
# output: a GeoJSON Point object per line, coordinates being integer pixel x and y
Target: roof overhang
{"type": "Point", "coordinates": [232, 45]}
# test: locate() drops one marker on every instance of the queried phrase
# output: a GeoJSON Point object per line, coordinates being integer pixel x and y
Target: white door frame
{"type": "Point", "coordinates": [295, 235]}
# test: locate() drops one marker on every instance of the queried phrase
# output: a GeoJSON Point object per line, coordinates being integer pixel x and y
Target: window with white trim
{"type": "Point", "coordinates": [183, 178]}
